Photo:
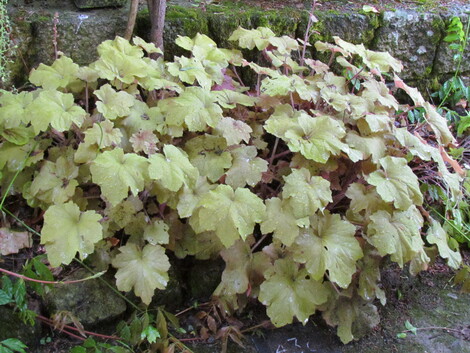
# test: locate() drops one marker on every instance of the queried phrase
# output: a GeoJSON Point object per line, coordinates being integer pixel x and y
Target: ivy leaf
{"type": "Point", "coordinates": [316, 138]}
{"type": "Point", "coordinates": [208, 154]}
{"type": "Point", "coordinates": [246, 167]}
{"type": "Point", "coordinates": [281, 221]}
{"type": "Point", "coordinates": [248, 39]}
{"type": "Point", "coordinates": [329, 244]}
{"type": "Point", "coordinates": [67, 231]}
{"type": "Point", "coordinates": [174, 169]}
{"type": "Point", "coordinates": [289, 292]}
{"type": "Point", "coordinates": [396, 183]}
{"type": "Point", "coordinates": [231, 214]}
{"type": "Point", "coordinates": [11, 242]}
{"type": "Point", "coordinates": [60, 74]}
{"type": "Point", "coordinates": [437, 235]}
{"type": "Point", "coordinates": [234, 131]}
{"type": "Point", "coordinates": [113, 104]}
{"type": "Point", "coordinates": [396, 234]}
{"type": "Point", "coordinates": [142, 269]}
{"type": "Point", "coordinates": [56, 109]}
{"type": "Point", "coordinates": [195, 106]}
{"type": "Point", "coordinates": [116, 173]}
{"type": "Point", "coordinates": [306, 194]}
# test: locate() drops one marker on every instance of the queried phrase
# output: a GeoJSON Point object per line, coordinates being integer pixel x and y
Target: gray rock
{"type": "Point", "coordinates": [91, 4]}
{"type": "Point", "coordinates": [411, 37]}
{"type": "Point", "coordinates": [91, 301]}
{"type": "Point", "coordinates": [11, 326]}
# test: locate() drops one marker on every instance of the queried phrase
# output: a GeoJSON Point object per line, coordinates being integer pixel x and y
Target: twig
{"type": "Point", "coordinates": [68, 327]}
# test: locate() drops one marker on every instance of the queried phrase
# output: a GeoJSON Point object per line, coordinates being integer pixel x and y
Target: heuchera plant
{"type": "Point", "coordinates": [302, 185]}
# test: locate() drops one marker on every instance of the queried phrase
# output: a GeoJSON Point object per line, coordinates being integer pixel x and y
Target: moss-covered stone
{"type": "Point", "coordinates": [413, 38]}
{"type": "Point", "coordinates": [93, 4]}
{"type": "Point", "coordinates": [179, 21]}
{"type": "Point", "coordinates": [11, 326]}
{"type": "Point", "coordinates": [91, 301]}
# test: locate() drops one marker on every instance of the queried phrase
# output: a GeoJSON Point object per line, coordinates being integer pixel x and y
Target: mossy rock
{"type": "Point", "coordinates": [11, 326]}
{"type": "Point", "coordinates": [413, 38]}
{"type": "Point", "coordinates": [91, 301]}
{"type": "Point", "coordinates": [93, 4]}
{"type": "Point", "coordinates": [179, 21]}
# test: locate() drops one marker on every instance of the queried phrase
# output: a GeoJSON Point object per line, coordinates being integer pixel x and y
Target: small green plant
{"type": "Point", "coordinates": [14, 293]}
{"type": "Point", "coordinates": [12, 345]}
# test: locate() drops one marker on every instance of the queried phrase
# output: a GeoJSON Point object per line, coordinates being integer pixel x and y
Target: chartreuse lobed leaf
{"type": "Point", "coordinates": [121, 61]}
{"type": "Point", "coordinates": [281, 221]}
{"type": "Point", "coordinates": [354, 317]}
{"type": "Point", "coordinates": [189, 197]}
{"type": "Point", "coordinates": [396, 234]}
{"type": "Point", "coordinates": [231, 214]}
{"type": "Point", "coordinates": [396, 183]}
{"type": "Point", "coordinates": [369, 277]}
{"type": "Point", "coordinates": [116, 172]}
{"type": "Point", "coordinates": [55, 109]}
{"type": "Point", "coordinates": [316, 138]}
{"type": "Point", "coordinates": [209, 155]}
{"type": "Point", "coordinates": [195, 107]}
{"type": "Point", "coordinates": [306, 194]}
{"type": "Point", "coordinates": [241, 268]}
{"type": "Point", "coordinates": [328, 245]}
{"type": "Point", "coordinates": [364, 201]}
{"type": "Point", "coordinates": [437, 235]}
{"type": "Point", "coordinates": [173, 169]}
{"type": "Point", "coordinates": [56, 182]}
{"type": "Point", "coordinates": [142, 269]}
{"type": "Point", "coordinates": [60, 74]}
{"type": "Point", "coordinates": [157, 233]}
{"type": "Point", "coordinates": [13, 109]}
{"type": "Point", "coordinates": [113, 104]}
{"type": "Point", "coordinates": [67, 231]}
{"type": "Point", "coordinates": [248, 39]}
{"type": "Point", "coordinates": [234, 131]}
{"type": "Point", "coordinates": [246, 167]}
{"type": "Point", "coordinates": [289, 292]}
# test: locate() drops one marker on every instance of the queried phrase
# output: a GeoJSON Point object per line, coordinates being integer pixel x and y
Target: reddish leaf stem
{"type": "Point", "coordinates": [68, 327]}
{"type": "Point", "coordinates": [40, 281]}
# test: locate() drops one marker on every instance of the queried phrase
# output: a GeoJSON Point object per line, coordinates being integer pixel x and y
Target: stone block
{"type": "Point", "coordinates": [411, 37]}
{"type": "Point", "coordinates": [93, 4]}
{"type": "Point", "coordinates": [91, 301]}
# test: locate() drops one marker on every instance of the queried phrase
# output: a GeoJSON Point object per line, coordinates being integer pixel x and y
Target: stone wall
{"type": "Point", "coordinates": [412, 36]}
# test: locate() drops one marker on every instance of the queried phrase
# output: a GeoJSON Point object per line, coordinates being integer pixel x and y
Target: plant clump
{"type": "Point", "coordinates": [302, 184]}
